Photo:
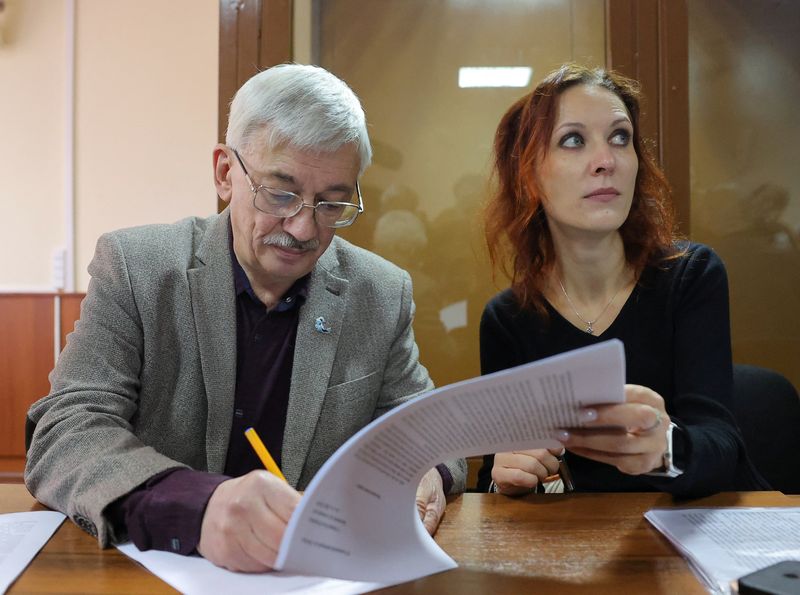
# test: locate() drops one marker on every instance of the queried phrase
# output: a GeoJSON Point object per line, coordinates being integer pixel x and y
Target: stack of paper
{"type": "Point", "coordinates": [724, 544]}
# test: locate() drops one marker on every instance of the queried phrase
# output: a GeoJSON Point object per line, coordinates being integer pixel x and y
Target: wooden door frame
{"type": "Point", "coordinates": [645, 39]}
{"type": "Point", "coordinates": [649, 40]}
{"type": "Point", "coordinates": [253, 35]}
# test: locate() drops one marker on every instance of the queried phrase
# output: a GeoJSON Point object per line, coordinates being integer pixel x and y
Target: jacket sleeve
{"type": "Point", "coordinates": [83, 453]}
{"type": "Point", "coordinates": [405, 377]}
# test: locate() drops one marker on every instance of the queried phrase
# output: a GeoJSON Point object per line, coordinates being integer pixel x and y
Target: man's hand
{"type": "Point", "coordinates": [245, 520]}
{"type": "Point", "coordinates": [431, 500]}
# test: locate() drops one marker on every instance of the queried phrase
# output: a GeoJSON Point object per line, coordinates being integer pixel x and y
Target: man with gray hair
{"type": "Point", "coordinates": [258, 317]}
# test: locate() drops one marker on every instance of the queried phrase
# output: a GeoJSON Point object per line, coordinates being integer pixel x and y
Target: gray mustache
{"type": "Point", "coordinates": [285, 240]}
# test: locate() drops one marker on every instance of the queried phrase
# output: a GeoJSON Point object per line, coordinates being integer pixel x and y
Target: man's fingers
{"type": "Point", "coordinates": [238, 559]}
{"type": "Point", "coordinates": [432, 516]}
{"type": "Point", "coordinates": [430, 500]}
{"type": "Point", "coordinates": [245, 521]}
{"type": "Point", "coordinates": [281, 498]}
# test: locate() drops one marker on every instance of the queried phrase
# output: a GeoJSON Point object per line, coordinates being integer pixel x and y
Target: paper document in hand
{"type": "Point", "coordinates": [357, 519]}
{"type": "Point", "coordinates": [723, 544]}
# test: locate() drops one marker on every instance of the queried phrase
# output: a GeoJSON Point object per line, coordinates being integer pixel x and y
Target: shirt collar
{"type": "Point", "coordinates": [293, 298]}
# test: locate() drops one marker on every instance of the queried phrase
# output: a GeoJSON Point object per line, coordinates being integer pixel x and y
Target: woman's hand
{"type": "Point", "coordinates": [521, 471]}
{"type": "Point", "coordinates": [631, 436]}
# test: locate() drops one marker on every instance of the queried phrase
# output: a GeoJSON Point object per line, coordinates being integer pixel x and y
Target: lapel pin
{"type": "Point", "coordinates": [322, 326]}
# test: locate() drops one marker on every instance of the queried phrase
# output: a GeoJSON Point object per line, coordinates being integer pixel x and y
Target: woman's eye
{"type": "Point", "coordinates": [571, 140]}
{"type": "Point", "coordinates": [621, 138]}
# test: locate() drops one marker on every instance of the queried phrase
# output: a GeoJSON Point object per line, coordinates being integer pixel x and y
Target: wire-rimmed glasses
{"type": "Point", "coordinates": [281, 203]}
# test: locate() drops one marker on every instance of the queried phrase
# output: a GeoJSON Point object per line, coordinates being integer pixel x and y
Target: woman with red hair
{"type": "Point", "coordinates": [581, 220]}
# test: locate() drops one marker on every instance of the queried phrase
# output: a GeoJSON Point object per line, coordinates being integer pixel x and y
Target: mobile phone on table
{"type": "Point", "coordinates": [782, 578]}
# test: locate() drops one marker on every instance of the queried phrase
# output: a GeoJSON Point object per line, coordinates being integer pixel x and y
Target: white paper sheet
{"type": "Point", "coordinates": [198, 576]}
{"type": "Point", "coordinates": [22, 535]}
{"type": "Point", "coordinates": [724, 544]}
{"type": "Point", "coordinates": [357, 519]}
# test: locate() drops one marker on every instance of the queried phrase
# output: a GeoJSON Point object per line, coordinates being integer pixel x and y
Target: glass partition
{"type": "Point", "coordinates": [432, 123]}
{"type": "Point", "coordinates": [744, 85]}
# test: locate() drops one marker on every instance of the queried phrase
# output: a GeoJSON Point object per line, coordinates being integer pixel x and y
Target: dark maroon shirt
{"type": "Point", "coordinates": [166, 512]}
{"type": "Point", "coordinates": [264, 352]}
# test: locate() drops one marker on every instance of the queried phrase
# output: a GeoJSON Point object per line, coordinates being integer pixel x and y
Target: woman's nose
{"type": "Point", "coordinates": [603, 162]}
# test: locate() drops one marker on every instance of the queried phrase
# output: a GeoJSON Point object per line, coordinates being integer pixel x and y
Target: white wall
{"type": "Point", "coordinates": [145, 118]}
{"type": "Point", "coordinates": [31, 141]}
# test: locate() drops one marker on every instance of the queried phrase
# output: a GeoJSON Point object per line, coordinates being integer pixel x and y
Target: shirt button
{"type": "Point", "coordinates": [256, 337]}
{"type": "Point", "coordinates": [288, 300]}
{"type": "Point", "coordinates": [238, 412]}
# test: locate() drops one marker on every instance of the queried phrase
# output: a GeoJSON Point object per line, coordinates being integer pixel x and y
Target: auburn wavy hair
{"type": "Point", "coordinates": [516, 229]}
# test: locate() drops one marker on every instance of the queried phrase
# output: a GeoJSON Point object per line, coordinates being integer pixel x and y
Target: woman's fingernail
{"type": "Point", "coordinates": [561, 435]}
{"type": "Point", "coordinates": [587, 415]}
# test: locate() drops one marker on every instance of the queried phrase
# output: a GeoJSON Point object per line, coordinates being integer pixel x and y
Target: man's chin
{"type": "Point", "coordinates": [292, 266]}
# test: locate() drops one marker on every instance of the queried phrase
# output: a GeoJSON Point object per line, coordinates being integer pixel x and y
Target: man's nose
{"type": "Point", "coordinates": [302, 225]}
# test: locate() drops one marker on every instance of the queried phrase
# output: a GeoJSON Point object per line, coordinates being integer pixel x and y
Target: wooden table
{"type": "Point", "coordinates": [598, 543]}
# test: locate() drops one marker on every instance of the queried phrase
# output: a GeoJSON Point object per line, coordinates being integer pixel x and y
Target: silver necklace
{"type": "Point", "coordinates": [589, 323]}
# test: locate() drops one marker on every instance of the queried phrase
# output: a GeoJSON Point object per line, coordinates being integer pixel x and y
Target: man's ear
{"type": "Point", "coordinates": [222, 173]}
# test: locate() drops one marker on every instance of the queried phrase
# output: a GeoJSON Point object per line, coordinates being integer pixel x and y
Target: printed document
{"type": "Point", "coordinates": [358, 521]}
{"type": "Point", "coordinates": [724, 544]}
{"type": "Point", "coordinates": [22, 535]}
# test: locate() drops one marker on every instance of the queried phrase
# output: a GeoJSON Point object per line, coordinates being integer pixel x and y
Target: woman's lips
{"type": "Point", "coordinates": [603, 194]}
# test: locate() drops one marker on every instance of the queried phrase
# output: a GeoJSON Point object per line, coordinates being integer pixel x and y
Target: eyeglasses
{"type": "Point", "coordinates": [281, 203]}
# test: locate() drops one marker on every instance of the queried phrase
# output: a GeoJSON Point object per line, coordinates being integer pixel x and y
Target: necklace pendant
{"type": "Point", "coordinates": [589, 328]}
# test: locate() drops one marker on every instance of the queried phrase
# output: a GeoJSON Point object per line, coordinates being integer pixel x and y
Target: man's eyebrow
{"type": "Point", "coordinates": [341, 188]}
{"type": "Point", "coordinates": [282, 176]}
{"type": "Point", "coordinates": [290, 179]}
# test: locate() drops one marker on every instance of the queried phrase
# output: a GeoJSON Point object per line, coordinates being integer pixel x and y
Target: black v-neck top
{"type": "Point", "coordinates": [676, 332]}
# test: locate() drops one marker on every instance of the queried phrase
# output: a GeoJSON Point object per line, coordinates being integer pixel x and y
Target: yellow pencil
{"type": "Point", "coordinates": [263, 453]}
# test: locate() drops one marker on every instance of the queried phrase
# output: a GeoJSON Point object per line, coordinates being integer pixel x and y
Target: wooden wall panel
{"type": "Point", "coordinates": [27, 347]}
{"type": "Point", "coordinates": [70, 312]}
{"type": "Point", "coordinates": [26, 358]}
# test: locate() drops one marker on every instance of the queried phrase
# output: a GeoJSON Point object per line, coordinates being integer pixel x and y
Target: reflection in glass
{"type": "Point", "coordinates": [744, 90]}
{"type": "Point", "coordinates": [432, 139]}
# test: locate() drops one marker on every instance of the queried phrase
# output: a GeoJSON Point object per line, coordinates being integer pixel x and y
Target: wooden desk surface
{"type": "Point", "coordinates": [572, 543]}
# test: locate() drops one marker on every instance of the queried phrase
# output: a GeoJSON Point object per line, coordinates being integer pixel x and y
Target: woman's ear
{"type": "Point", "coordinates": [222, 173]}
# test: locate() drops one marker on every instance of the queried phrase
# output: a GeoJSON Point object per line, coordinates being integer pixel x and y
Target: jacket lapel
{"type": "Point", "coordinates": [314, 355]}
{"type": "Point", "coordinates": [212, 290]}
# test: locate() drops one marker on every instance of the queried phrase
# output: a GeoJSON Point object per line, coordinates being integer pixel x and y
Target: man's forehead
{"type": "Point", "coordinates": [288, 162]}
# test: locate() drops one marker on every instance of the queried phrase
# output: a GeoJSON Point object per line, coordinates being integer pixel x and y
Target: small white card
{"type": "Point", "coordinates": [22, 535]}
